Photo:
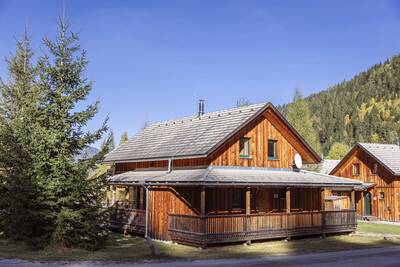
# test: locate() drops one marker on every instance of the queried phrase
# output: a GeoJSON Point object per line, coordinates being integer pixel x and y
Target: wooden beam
{"type": "Point", "coordinates": [323, 234]}
{"type": "Point", "coordinates": [248, 206]}
{"type": "Point", "coordinates": [131, 197]}
{"type": "Point", "coordinates": [322, 199]}
{"type": "Point", "coordinates": [248, 211]}
{"type": "Point", "coordinates": [113, 194]}
{"type": "Point", "coordinates": [352, 199]}
{"type": "Point", "coordinates": [288, 200]}
{"type": "Point", "coordinates": [203, 201]}
{"type": "Point", "coordinates": [396, 203]}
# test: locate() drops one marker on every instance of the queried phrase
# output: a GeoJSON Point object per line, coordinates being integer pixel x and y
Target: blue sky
{"type": "Point", "coordinates": [152, 60]}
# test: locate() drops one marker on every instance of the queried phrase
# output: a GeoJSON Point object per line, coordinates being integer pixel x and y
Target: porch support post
{"type": "Point", "coordinates": [131, 197]}
{"type": "Point", "coordinates": [113, 194]}
{"type": "Point", "coordinates": [202, 216]}
{"type": "Point", "coordinates": [289, 221]}
{"type": "Point", "coordinates": [323, 212]}
{"type": "Point", "coordinates": [248, 211]}
{"type": "Point", "coordinates": [352, 200]}
{"type": "Point", "coordinates": [203, 201]}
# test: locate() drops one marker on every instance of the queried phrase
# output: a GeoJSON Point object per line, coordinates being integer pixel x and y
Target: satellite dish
{"type": "Point", "coordinates": [298, 162]}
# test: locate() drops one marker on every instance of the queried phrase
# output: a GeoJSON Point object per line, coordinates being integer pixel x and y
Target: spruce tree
{"type": "Point", "coordinates": [24, 214]}
{"type": "Point", "coordinates": [79, 219]}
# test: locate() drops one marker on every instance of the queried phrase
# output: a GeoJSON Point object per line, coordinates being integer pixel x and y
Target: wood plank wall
{"type": "Point", "coordinates": [166, 200]}
{"type": "Point", "coordinates": [265, 127]}
{"type": "Point", "coordinates": [385, 209]}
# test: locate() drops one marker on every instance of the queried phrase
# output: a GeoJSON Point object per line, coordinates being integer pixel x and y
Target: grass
{"type": "Point", "coordinates": [134, 248]}
{"type": "Point", "coordinates": [375, 228]}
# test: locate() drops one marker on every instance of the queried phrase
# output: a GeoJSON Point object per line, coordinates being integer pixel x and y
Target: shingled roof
{"type": "Point", "coordinates": [223, 175]}
{"type": "Point", "coordinates": [388, 155]}
{"type": "Point", "coordinates": [189, 137]}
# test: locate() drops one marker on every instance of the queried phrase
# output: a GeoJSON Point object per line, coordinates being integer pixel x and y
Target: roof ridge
{"type": "Point", "coordinates": [227, 110]}
{"type": "Point", "coordinates": [377, 144]}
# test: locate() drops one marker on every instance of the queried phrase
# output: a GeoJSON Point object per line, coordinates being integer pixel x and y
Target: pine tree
{"type": "Point", "coordinates": [299, 116]}
{"type": "Point", "coordinates": [124, 138]}
{"type": "Point", "coordinates": [22, 209]}
{"type": "Point", "coordinates": [79, 220]}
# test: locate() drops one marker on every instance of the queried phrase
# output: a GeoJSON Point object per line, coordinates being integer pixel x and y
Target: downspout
{"type": "Point", "coordinates": [146, 230]}
{"type": "Point", "coordinates": [169, 165]}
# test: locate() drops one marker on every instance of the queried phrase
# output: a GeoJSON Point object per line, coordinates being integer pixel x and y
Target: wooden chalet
{"type": "Point", "coordinates": [223, 176]}
{"type": "Point", "coordinates": [377, 166]}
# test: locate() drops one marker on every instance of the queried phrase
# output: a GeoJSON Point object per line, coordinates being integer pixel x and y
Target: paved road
{"type": "Point", "coordinates": [382, 257]}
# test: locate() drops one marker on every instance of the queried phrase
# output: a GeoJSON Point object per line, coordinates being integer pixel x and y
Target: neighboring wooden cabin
{"type": "Point", "coordinates": [221, 177]}
{"type": "Point", "coordinates": [378, 167]}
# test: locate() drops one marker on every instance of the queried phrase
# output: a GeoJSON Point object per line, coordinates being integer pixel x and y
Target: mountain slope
{"type": "Point", "coordinates": [363, 109]}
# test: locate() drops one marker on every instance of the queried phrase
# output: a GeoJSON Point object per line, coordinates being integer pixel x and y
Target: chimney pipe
{"type": "Point", "coordinates": [201, 107]}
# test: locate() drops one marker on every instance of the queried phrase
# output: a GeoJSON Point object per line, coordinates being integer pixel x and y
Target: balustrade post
{"type": "Point", "coordinates": [323, 213]}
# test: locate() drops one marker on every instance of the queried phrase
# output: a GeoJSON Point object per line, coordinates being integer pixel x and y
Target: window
{"type": "Point", "coordinates": [381, 195]}
{"type": "Point", "coordinates": [375, 168]}
{"type": "Point", "coordinates": [244, 147]}
{"type": "Point", "coordinates": [272, 151]}
{"type": "Point", "coordinates": [237, 198]}
{"type": "Point", "coordinates": [356, 169]}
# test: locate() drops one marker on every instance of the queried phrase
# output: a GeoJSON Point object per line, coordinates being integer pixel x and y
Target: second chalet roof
{"type": "Point", "coordinates": [194, 136]}
{"type": "Point", "coordinates": [222, 175]}
{"type": "Point", "coordinates": [387, 154]}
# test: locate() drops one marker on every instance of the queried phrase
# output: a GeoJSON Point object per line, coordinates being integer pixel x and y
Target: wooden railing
{"type": "Point", "coordinates": [126, 219]}
{"type": "Point", "coordinates": [192, 229]}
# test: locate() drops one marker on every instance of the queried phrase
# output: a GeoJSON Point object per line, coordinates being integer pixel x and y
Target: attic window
{"type": "Point", "coordinates": [244, 147]}
{"type": "Point", "coordinates": [272, 149]}
{"type": "Point", "coordinates": [356, 169]}
{"type": "Point", "coordinates": [374, 168]}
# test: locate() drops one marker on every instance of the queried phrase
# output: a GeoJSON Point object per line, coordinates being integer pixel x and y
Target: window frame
{"type": "Point", "coordinates": [381, 195]}
{"type": "Point", "coordinates": [244, 140]}
{"type": "Point", "coordinates": [275, 143]}
{"type": "Point", "coordinates": [358, 169]}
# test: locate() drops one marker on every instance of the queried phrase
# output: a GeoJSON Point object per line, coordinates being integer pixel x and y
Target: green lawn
{"type": "Point", "coordinates": [133, 248]}
{"type": "Point", "coordinates": [374, 228]}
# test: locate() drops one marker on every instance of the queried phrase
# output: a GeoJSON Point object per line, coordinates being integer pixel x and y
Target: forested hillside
{"type": "Point", "coordinates": [364, 109]}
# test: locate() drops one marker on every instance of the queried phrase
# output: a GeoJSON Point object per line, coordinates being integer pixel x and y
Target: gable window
{"type": "Point", "coordinates": [375, 168]}
{"type": "Point", "coordinates": [244, 147]}
{"type": "Point", "coordinates": [356, 169]}
{"type": "Point", "coordinates": [381, 195]}
{"type": "Point", "coordinates": [237, 198]}
{"type": "Point", "coordinates": [272, 149]}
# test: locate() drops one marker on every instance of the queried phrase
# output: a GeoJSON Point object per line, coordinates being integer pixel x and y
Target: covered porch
{"type": "Point", "coordinates": [210, 213]}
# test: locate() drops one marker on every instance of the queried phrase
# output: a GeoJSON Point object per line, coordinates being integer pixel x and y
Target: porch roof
{"type": "Point", "coordinates": [233, 176]}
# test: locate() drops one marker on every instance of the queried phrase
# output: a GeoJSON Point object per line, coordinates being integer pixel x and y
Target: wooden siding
{"type": "Point", "coordinates": [166, 200]}
{"type": "Point", "coordinates": [266, 127]}
{"type": "Point", "coordinates": [384, 209]}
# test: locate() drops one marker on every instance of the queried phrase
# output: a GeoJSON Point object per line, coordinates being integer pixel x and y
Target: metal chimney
{"type": "Point", "coordinates": [201, 107]}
